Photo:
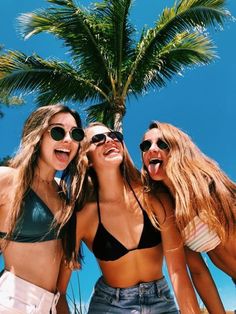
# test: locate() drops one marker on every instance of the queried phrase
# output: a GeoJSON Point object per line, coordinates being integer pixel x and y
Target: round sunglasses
{"type": "Point", "coordinates": [146, 145]}
{"type": "Point", "coordinates": [58, 133]}
{"type": "Point", "coordinates": [100, 138]}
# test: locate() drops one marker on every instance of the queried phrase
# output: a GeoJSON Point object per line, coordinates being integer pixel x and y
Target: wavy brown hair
{"type": "Point", "coordinates": [128, 170]}
{"type": "Point", "coordinates": [25, 161]}
{"type": "Point", "coordinates": [200, 186]}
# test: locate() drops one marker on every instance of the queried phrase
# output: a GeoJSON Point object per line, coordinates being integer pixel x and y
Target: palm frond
{"type": "Point", "coordinates": [182, 17]}
{"type": "Point", "coordinates": [185, 50]}
{"type": "Point", "coordinates": [118, 35]}
{"type": "Point", "coordinates": [53, 80]}
{"type": "Point", "coordinates": [79, 30]}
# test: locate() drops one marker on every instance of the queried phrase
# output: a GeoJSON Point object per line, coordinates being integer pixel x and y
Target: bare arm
{"type": "Point", "coordinates": [65, 269]}
{"type": "Point", "coordinates": [62, 283]}
{"type": "Point", "coordinates": [204, 283]}
{"type": "Point", "coordinates": [175, 256]}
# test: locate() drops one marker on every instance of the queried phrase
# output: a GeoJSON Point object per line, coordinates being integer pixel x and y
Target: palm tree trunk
{"type": "Point", "coordinates": [119, 109]}
{"type": "Point", "coordinates": [118, 126]}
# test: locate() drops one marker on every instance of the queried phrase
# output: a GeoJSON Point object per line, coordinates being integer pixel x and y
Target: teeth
{"type": "Point", "coordinates": [63, 150]}
{"type": "Point", "coordinates": [113, 149]}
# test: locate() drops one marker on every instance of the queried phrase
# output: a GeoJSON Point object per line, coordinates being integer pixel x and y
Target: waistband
{"type": "Point", "coordinates": [151, 287]}
{"type": "Point", "coordinates": [24, 290]}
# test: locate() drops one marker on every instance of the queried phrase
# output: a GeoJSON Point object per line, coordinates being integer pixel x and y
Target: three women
{"type": "Point", "coordinates": [113, 222]}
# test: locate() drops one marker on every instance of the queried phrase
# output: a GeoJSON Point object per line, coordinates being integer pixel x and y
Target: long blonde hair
{"type": "Point", "coordinates": [200, 186]}
{"type": "Point", "coordinates": [25, 161]}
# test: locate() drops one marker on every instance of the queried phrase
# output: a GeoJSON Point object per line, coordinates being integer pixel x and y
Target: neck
{"type": "Point", "coordinates": [44, 175]}
{"type": "Point", "coordinates": [111, 185]}
{"type": "Point", "coordinates": [170, 186]}
{"type": "Point", "coordinates": [42, 180]}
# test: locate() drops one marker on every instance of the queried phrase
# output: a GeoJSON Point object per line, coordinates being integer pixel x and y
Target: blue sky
{"type": "Point", "coordinates": [201, 102]}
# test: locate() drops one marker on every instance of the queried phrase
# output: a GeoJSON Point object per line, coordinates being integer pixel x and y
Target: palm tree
{"type": "Point", "coordinates": [108, 64]}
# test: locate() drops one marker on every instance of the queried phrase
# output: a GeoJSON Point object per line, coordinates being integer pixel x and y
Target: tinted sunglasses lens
{"type": "Point", "coordinates": [145, 145]}
{"type": "Point", "coordinates": [97, 138]}
{"type": "Point", "coordinates": [119, 136]}
{"type": "Point", "coordinates": [162, 145]}
{"type": "Point", "coordinates": [115, 135]}
{"type": "Point", "coordinates": [77, 134]}
{"type": "Point", "coordinates": [57, 133]}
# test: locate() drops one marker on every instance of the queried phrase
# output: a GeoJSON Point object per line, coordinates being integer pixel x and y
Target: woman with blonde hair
{"type": "Point", "coordinates": [115, 226]}
{"type": "Point", "coordinates": [205, 198]}
{"type": "Point", "coordinates": [34, 209]}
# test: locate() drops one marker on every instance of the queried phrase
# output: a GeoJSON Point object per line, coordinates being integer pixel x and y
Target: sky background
{"type": "Point", "coordinates": [201, 102]}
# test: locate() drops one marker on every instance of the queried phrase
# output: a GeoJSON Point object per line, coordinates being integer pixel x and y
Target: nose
{"type": "Point", "coordinates": [154, 147]}
{"type": "Point", "coordinates": [110, 139]}
{"type": "Point", "coordinates": [67, 137]}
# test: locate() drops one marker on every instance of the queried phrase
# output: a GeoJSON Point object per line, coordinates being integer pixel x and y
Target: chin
{"type": "Point", "coordinates": [157, 177]}
{"type": "Point", "coordinates": [61, 167]}
{"type": "Point", "coordinates": [116, 159]}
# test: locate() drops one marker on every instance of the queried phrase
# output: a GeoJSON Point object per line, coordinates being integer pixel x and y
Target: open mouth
{"type": "Point", "coordinates": [111, 151]}
{"type": "Point", "coordinates": [62, 154]}
{"type": "Point", "coordinates": [155, 161]}
{"type": "Point", "coordinates": [154, 166]}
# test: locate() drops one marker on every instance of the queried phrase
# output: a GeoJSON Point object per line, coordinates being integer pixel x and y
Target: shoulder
{"type": "Point", "coordinates": [7, 170]}
{"type": "Point", "coordinates": [86, 220]}
{"type": "Point", "coordinates": [7, 175]}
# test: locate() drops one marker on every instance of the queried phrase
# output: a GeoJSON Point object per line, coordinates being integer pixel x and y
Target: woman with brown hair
{"type": "Point", "coordinates": [34, 208]}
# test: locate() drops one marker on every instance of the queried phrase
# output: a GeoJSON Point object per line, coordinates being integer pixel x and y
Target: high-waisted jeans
{"type": "Point", "coordinates": [145, 298]}
{"type": "Point", "coordinates": [18, 296]}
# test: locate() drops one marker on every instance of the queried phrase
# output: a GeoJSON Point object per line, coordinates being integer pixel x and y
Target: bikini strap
{"type": "Point", "coordinates": [98, 206]}
{"type": "Point", "coordinates": [135, 195]}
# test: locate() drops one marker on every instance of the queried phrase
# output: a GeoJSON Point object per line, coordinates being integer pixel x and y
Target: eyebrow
{"type": "Point", "coordinates": [63, 125]}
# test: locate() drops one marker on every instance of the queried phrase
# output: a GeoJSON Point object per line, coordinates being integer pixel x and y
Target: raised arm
{"type": "Point", "coordinates": [175, 256]}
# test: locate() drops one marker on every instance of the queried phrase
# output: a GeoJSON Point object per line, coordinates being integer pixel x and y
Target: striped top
{"type": "Point", "coordinates": [200, 239]}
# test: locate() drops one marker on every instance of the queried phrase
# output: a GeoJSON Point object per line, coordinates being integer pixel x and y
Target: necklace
{"type": "Point", "coordinates": [43, 180]}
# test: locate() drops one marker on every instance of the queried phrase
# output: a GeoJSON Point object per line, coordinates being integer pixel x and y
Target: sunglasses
{"type": "Point", "coordinates": [100, 139]}
{"type": "Point", "coordinates": [146, 145]}
{"type": "Point", "coordinates": [58, 133]}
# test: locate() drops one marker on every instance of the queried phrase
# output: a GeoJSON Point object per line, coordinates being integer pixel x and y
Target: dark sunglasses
{"type": "Point", "coordinates": [145, 145]}
{"type": "Point", "coordinates": [58, 133]}
{"type": "Point", "coordinates": [100, 138]}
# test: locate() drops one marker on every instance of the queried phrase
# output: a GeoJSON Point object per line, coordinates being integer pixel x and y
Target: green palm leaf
{"type": "Point", "coordinates": [54, 80]}
{"type": "Point", "coordinates": [185, 50]}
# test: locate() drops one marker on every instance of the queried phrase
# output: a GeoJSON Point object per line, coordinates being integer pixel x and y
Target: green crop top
{"type": "Point", "coordinates": [35, 222]}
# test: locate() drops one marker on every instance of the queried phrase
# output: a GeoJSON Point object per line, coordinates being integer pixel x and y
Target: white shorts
{"type": "Point", "coordinates": [18, 296]}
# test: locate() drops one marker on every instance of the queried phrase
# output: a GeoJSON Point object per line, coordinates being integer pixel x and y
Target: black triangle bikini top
{"type": "Point", "coordinates": [107, 248]}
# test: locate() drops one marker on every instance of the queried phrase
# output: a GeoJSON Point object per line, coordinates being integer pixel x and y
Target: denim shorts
{"type": "Point", "coordinates": [18, 296]}
{"type": "Point", "coordinates": [145, 298]}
